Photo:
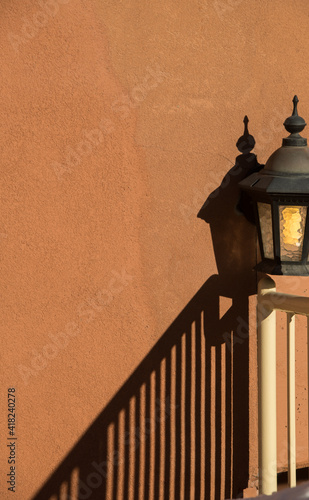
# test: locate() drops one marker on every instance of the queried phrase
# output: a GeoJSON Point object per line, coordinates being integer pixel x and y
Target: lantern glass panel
{"type": "Point", "coordinates": [264, 210]}
{"type": "Point", "coordinates": [292, 229]}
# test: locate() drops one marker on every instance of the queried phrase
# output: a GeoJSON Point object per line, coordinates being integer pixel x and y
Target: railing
{"type": "Point", "coordinates": [270, 301]}
{"type": "Point", "coordinates": [299, 493]}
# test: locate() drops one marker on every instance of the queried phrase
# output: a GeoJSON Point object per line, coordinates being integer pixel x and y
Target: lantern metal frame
{"type": "Point", "coordinates": [277, 186]}
{"type": "Point", "coordinates": [277, 265]}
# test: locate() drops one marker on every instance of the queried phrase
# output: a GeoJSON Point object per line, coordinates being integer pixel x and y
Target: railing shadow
{"type": "Point", "coordinates": [179, 426]}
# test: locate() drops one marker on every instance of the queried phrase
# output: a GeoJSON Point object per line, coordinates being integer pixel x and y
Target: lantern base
{"type": "Point", "coordinates": [283, 268]}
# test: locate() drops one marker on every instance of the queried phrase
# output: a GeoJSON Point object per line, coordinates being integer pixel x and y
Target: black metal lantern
{"type": "Point", "coordinates": [280, 196]}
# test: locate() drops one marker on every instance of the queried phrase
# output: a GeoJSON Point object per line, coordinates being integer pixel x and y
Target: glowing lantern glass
{"type": "Point", "coordinates": [280, 198]}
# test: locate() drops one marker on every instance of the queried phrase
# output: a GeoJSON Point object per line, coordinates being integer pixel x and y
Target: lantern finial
{"type": "Point", "coordinates": [295, 101]}
{"type": "Point", "coordinates": [294, 124]}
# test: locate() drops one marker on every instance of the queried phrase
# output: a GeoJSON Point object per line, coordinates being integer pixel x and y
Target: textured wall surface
{"type": "Point", "coordinates": [118, 120]}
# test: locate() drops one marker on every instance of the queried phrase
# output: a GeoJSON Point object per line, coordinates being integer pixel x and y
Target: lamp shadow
{"type": "Point", "coordinates": [179, 426]}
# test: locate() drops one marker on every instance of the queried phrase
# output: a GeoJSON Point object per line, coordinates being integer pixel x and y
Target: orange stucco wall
{"type": "Point", "coordinates": [117, 121]}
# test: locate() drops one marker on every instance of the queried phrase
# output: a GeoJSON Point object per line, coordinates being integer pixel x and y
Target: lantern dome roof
{"type": "Point", "coordinates": [289, 159]}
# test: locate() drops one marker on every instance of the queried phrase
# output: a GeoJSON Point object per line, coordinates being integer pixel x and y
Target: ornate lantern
{"type": "Point", "coordinates": [280, 197]}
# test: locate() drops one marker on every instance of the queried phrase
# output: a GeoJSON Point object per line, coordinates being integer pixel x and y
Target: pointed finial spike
{"type": "Point", "coordinates": [295, 102]}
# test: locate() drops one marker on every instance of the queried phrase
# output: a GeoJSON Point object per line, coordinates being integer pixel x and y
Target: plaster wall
{"type": "Point", "coordinates": [117, 121]}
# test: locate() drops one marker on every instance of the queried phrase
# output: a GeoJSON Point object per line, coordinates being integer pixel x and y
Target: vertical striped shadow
{"type": "Point", "coordinates": [168, 410]}
{"type": "Point", "coordinates": [126, 452]}
{"type": "Point", "coordinates": [115, 457]}
{"type": "Point", "coordinates": [240, 397]}
{"type": "Point", "coordinates": [188, 381]}
{"type": "Point", "coordinates": [157, 418]}
{"type": "Point", "coordinates": [198, 391]}
{"type": "Point", "coordinates": [137, 444]}
{"type": "Point", "coordinates": [228, 421]}
{"type": "Point", "coordinates": [218, 423]}
{"type": "Point", "coordinates": [167, 416]}
{"type": "Point", "coordinates": [207, 445]}
{"type": "Point", "coordinates": [178, 419]}
{"type": "Point", "coordinates": [147, 441]}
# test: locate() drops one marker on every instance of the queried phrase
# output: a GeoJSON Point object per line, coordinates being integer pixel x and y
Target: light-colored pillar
{"type": "Point", "coordinates": [308, 377]}
{"type": "Point", "coordinates": [291, 400]}
{"type": "Point", "coordinates": [266, 327]}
